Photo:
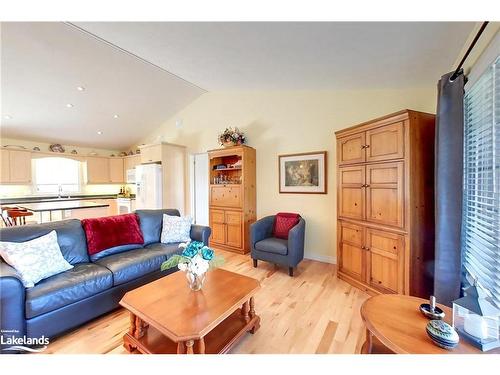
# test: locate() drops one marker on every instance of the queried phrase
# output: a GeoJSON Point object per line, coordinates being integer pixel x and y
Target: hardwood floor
{"type": "Point", "coordinates": [313, 312]}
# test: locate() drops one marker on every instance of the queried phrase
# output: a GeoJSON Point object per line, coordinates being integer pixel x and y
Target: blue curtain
{"type": "Point", "coordinates": [449, 188]}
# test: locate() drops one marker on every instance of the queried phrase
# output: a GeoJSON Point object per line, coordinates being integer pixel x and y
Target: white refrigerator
{"type": "Point", "coordinates": [148, 186]}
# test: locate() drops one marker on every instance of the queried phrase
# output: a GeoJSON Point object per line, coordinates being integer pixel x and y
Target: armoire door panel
{"type": "Point", "coordinates": [351, 193]}
{"type": "Point", "coordinates": [385, 194]}
{"type": "Point", "coordinates": [352, 257]}
{"type": "Point", "coordinates": [385, 143]}
{"type": "Point", "coordinates": [385, 269]}
{"type": "Point", "coordinates": [351, 149]}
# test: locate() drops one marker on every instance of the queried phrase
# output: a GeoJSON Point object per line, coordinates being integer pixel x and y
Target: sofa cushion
{"type": "Point", "coordinates": [175, 229]}
{"type": "Point", "coordinates": [132, 264]}
{"type": "Point", "coordinates": [70, 236]}
{"type": "Point", "coordinates": [36, 259]}
{"type": "Point", "coordinates": [82, 281]}
{"type": "Point", "coordinates": [165, 249]}
{"type": "Point", "coordinates": [108, 232]}
{"type": "Point", "coordinates": [151, 222]}
{"type": "Point", "coordinates": [273, 245]}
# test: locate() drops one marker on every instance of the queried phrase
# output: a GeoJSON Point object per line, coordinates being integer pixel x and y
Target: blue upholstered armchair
{"type": "Point", "coordinates": [270, 249]}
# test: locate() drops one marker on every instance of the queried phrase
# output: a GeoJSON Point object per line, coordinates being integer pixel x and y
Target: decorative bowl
{"type": "Point", "coordinates": [442, 334]}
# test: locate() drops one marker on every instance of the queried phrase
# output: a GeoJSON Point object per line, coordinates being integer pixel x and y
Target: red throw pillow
{"type": "Point", "coordinates": [283, 222]}
{"type": "Point", "coordinates": [110, 231]}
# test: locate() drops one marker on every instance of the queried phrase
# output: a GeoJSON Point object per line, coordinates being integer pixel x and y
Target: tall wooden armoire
{"type": "Point", "coordinates": [385, 204]}
{"type": "Point", "coordinates": [232, 197]}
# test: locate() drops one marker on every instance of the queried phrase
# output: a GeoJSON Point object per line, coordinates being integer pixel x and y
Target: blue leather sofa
{"type": "Point", "coordinates": [276, 250]}
{"type": "Point", "coordinates": [92, 287]}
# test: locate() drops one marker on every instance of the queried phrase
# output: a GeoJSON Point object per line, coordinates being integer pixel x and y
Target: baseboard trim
{"type": "Point", "coordinates": [322, 258]}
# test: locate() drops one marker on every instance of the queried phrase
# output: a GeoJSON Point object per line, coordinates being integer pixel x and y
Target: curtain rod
{"type": "Point", "coordinates": [474, 41]}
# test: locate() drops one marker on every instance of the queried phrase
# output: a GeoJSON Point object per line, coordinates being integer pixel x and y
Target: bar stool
{"type": "Point", "coordinates": [20, 215]}
{"type": "Point", "coordinates": [5, 218]}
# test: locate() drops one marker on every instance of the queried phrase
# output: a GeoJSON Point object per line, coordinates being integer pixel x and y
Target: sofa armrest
{"type": "Point", "coordinates": [261, 229]}
{"type": "Point", "coordinates": [200, 233]}
{"type": "Point", "coordinates": [296, 239]}
{"type": "Point", "coordinates": [12, 302]}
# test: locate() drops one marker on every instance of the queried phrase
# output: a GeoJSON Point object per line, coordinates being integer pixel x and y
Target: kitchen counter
{"type": "Point", "coordinates": [20, 200]}
{"type": "Point", "coordinates": [60, 205]}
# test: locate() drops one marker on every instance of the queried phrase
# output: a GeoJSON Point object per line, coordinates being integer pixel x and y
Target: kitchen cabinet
{"type": "Point", "coordinates": [15, 166]}
{"type": "Point", "coordinates": [97, 170]}
{"type": "Point", "coordinates": [116, 170]}
{"type": "Point", "coordinates": [151, 153]}
{"type": "Point", "coordinates": [5, 167]}
{"type": "Point", "coordinates": [130, 162]}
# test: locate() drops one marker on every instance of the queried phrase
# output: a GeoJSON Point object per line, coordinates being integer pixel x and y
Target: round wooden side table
{"type": "Point", "coordinates": [394, 324]}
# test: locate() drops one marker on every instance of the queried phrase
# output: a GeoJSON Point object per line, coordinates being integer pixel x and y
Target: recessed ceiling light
{"type": "Point", "coordinates": [7, 117]}
{"type": "Point", "coordinates": [80, 88]}
{"type": "Point", "coordinates": [69, 105]}
{"type": "Point", "coordinates": [116, 116]}
{"type": "Point", "coordinates": [99, 132]}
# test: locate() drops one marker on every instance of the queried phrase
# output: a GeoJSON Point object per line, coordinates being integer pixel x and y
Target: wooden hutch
{"type": "Point", "coordinates": [232, 197]}
{"type": "Point", "coordinates": [385, 204]}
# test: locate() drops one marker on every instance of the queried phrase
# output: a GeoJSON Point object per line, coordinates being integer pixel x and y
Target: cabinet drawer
{"type": "Point", "coordinates": [225, 196]}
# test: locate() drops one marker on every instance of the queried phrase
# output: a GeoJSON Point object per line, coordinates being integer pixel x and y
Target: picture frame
{"type": "Point", "coordinates": [303, 173]}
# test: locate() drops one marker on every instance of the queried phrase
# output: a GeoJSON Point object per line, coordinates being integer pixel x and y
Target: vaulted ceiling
{"type": "Point", "coordinates": [145, 72]}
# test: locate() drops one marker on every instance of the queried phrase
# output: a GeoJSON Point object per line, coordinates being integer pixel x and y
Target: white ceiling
{"type": "Point", "coordinates": [294, 55]}
{"type": "Point", "coordinates": [43, 63]}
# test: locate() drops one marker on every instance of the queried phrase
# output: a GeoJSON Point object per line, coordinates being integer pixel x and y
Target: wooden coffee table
{"type": "Point", "coordinates": [167, 317]}
{"type": "Point", "coordinates": [394, 324]}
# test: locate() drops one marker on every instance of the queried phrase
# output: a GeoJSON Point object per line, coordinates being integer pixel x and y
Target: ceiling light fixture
{"type": "Point", "coordinates": [69, 105]}
{"type": "Point", "coordinates": [116, 116]}
{"type": "Point", "coordinates": [80, 88]}
{"type": "Point", "coordinates": [99, 132]}
{"type": "Point", "coordinates": [7, 117]}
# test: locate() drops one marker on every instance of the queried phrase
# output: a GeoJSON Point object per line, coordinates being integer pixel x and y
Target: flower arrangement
{"type": "Point", "coordinates": [231, 137]}
{"type": "Point", "coordinates": [196, 259]}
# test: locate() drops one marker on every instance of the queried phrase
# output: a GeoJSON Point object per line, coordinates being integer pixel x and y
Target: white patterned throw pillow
{"type": "Point", "coordinates": [35, 260]}
{"type": "Point", "coordinates": [176, 229]}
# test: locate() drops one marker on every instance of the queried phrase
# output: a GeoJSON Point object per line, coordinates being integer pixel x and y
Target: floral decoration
{"type": "Point", "coordinates": [230, 135]}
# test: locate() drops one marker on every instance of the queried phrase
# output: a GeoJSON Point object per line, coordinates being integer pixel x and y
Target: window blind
{"type": "Point", "coordinates": [481, 216]}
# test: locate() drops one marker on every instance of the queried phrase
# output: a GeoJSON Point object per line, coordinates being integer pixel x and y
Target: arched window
{"type": "Point", "coordinates": [54, 175]}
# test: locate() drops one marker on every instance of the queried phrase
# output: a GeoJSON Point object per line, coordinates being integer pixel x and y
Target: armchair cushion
{"type": "Point", "coordinates": [273, 245]}
{"type": "Point", "coordinates": [283, 222]}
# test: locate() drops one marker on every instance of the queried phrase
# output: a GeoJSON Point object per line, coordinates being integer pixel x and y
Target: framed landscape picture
{"type": "Point", "coordinates": [303, 173]}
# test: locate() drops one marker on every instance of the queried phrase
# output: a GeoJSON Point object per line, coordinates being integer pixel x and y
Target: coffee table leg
{"type": "Point", "coordinates": [201, 346]}
{"type": "Point", "coordinates": [245, 309]}
{"type": "Point", "coordinates": [189, 346]}
{"type": "Point", "coordinates": [252, 316]}
{"type": "Point", "coordinates": [180, 348]}
{"type": "Point", "coordinates": [252, 307]}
